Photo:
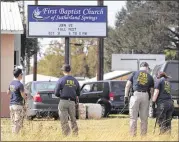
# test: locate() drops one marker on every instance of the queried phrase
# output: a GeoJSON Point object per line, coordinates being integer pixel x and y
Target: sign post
{"type": "Point", "coordinates": [67, 50]}
{"type": "Point", "coordinates": [100, 53]}
{"type": "Point", "coordinates": [35, 58]}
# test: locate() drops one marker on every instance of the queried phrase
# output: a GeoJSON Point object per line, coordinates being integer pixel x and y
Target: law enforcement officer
{"type": "Point", "coordinates": [141, 82]}
{"type": "Point", "coordinates": [17, 96]}
{"type": "Point", "coordinates": [68, 89]}
{"type": "Point", "coordinates": [162, 97]}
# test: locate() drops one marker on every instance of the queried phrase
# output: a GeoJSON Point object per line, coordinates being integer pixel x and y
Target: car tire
{"type": "Point", "coordinates": [30, 118]}
{"type": "Point", "coordinates": [56, 117]}
{"type": "Point", "coordinates": [105, 110]}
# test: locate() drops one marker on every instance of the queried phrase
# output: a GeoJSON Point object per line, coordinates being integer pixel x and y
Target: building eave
{"type": "Point", "coordinates": [11, 22]}
{"type": "Point", "coordinates": [11, 32]}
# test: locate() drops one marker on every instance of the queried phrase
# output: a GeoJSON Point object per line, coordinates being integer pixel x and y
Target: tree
{"type": "Point", "coordinates": [52, 61]}
{"type": "Point", "coordinates": [29, 46]}
{"type": "Point", "coordinates": [112, 45]}
{"type": "Point", "coordinates": [83, 57]}
{"type": "Point", "coordinates": [148, 27]}
{"type": "Point", "coordinates": [83, 61]}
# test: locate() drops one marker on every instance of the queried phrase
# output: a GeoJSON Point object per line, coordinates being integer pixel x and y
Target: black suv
{"type": "Point", "coordinates": [108, 93]}
{"type": "Point", "coordinates": [172, 69]}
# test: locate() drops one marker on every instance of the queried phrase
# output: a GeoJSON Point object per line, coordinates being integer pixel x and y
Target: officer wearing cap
{"type": "Point", "coordinates": [68, 89]}
{"type": "Point", "coordinates": [165, 107]}
{"type": "Point", "coordinates": [141, 82]}
{"type": "Point", "coordinates": [17, 96]}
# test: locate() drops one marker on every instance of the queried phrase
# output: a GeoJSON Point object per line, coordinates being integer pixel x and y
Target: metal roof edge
{"type": "Point", "coordinates": [120, 75]}
{"type": "Point", "coordinates": [11, 32]}
{"type": "Point", "coordinates": [11, 21]}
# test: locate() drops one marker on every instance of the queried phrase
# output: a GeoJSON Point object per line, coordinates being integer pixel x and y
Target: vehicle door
{"type": "Point", "coordinates": [90, 93]}
{"type": "Point", "coordinates": [172, 69]}
{"type": "Point", "coordinates": [97, 92]}
{"type": "Point", "coordinates": [85, 91]}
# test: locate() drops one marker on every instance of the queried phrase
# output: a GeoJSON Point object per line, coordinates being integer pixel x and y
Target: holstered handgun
{"type": "Point", "coordinates": [149, 94]}
{"type": "Point", "coordinates": [131, 92]}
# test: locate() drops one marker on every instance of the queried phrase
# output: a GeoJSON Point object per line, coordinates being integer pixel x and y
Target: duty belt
{"type": "Point", "coordinates": [141, 91]}
{"type": "Point", "coordinates": [67, 98]}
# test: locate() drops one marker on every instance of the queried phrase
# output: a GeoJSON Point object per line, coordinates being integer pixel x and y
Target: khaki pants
{"type": "Point", "coordinates": [139, 103]}
{"type": "Point", "coordinates": [17, 116]}
{"type": "Point", "coordinates": [66, 109]}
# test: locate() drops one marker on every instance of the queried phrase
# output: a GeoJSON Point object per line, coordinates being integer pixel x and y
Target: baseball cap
{"type": "Point", "coordinates": [66, 68]}
{"type": "Point", "coordinates": [17, 72]}
{"type": "Point", "coordinates": [163, 74]}
{"type": "Point", "coordinates": [144, 64]}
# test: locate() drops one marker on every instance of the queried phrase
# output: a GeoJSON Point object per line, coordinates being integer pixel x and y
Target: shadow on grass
{"type": "Point", "coordinates": [119, 116]}
{"type": "Point", "coordinates": [43, 119]}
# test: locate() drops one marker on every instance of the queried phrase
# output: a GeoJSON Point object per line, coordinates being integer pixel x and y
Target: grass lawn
{"type": "Point", "coordinates": [108, 129]}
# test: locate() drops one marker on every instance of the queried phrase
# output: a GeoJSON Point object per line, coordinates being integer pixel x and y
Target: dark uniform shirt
{"type": "Point", "coordinates": [16, 87]}
{"type": "Point", "coordinates": [164, 88]}
{"type": "Point", "coordinates": [141, 81]}
{"type": "Point", "coordinates": [67, 87]}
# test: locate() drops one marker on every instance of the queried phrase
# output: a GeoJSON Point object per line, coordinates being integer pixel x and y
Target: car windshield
{"type": "Point", "coordinates": [46, 86]}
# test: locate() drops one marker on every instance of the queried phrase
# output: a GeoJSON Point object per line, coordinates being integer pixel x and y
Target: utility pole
{"type": "Point", "coordinates": [23, 61]}
{"type": "Point", "coordinates": [100, 64]}
{"type": "Point", "coordinates": [35, 58]}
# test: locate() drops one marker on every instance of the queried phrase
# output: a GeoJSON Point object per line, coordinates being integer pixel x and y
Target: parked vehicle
{"type": "Point", "coordinates": [108, 93]}
{"type": "Point", "coordinates": [42, 101]}
{"type": "Point", "coordinates": [172, 69]}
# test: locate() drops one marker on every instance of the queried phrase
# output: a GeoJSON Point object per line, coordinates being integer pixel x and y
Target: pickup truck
{"type": "Point", "coordinates": [108, 93]}
{"type": "Point", "coordinates": [172, 69]}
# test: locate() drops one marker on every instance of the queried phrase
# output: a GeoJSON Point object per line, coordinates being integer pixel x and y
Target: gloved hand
{"type": "Point", "coordinates": [126, 100]}
{"type": "Point", "coordinates": [152, 110]}
{"type": "Point", "coordinates": [153, 105]}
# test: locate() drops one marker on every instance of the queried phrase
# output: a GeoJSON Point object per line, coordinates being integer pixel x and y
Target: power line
{"type": "Point", "coordinates": [76, 44]}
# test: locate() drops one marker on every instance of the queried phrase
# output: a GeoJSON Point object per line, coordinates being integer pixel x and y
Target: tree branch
{"type": "Point", "coordinates": [175, 33]}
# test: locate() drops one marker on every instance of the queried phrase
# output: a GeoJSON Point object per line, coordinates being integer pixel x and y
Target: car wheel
{"type": "Point", "coordinates": [30, 117]}
{"type": "Point", "coordinates": [56, 117]}
{"type": "Point", "coordinates": [104, 110]}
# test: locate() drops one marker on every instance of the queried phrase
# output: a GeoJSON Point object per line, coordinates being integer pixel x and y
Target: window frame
{"type": "Point", "coordinates": [165, 70]}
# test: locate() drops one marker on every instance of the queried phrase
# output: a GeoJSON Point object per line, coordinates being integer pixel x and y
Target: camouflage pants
{"type": "Point", "coordinates": [66, 109]}
{"type": "Point", "coordinates": [17, 117]}
{"type": "Point", "coordinates": [164, 115]}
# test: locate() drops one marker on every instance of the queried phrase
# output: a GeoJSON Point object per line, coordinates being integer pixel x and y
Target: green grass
{"type": "Point", "coordinates": [108, 129]}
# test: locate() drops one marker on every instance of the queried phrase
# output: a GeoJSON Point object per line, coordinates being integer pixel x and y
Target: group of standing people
{"type": "Point", "coordinates": [68, 89]}
{"type": "Point", "coordinates": [144, 89]}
